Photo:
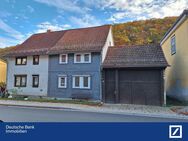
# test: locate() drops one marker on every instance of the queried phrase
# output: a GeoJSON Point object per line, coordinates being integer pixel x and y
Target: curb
{"type": "Point", "coordinates": [38, 107]}
{"type": "Point", "coordinates": [180, 117]}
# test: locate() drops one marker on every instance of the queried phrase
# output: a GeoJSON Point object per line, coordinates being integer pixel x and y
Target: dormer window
{"type": "Point", "coordinates": [82, 58]}
{"type": "Point", "coordinates": [21, 60]}
{"type": "Point", "coordinates": [63, 58]}
{"type": "Point", "coordinates": [35, 59]}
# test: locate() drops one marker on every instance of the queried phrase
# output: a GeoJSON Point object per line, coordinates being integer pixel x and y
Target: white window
{"type": "Point", "coordinates": [81, 81]}
{"type": "Point", "coordinates": [62, 81]}
{"type": "Point", "coordinates": [63, 58]}
{"type": "Point", "coordinates": [173, 45]}
{"type": "Point", "coordinates": [78, 58]}
{"type": "Point", "coordinates": [82, 58]}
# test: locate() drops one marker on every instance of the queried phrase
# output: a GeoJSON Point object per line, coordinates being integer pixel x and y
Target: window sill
{"type": "Point", "coordinates": [62, 87]}
{"type": "Point", "coordinates": [20, 86]}
{"type": "Point", "coordinates": [82, 88]}
{"type": "Point", "coordinates": [21, 65]}
{"type": "Point", "coordinates": [63, 63]}
{"type": "Point", "coordinates": [82, 62]}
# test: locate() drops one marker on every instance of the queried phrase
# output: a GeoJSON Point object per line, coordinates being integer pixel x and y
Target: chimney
{"type": "Point", "coordinates": [49, 30]}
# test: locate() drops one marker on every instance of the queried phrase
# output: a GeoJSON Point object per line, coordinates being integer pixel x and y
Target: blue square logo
{"type": "Point", "coordinates": [175, 131]}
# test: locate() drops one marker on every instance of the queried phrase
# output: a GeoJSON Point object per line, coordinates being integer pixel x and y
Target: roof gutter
{"type": "Point", "coordinates": [168, 34]}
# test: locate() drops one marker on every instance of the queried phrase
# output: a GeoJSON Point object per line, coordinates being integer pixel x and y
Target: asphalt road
{"type": "Point", "coordinates": [30, 114]}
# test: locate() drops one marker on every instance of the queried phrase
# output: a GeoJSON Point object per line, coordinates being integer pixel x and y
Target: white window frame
{"type": "Point", "coordinates": [173, 50]}
{"type": "Point", "coordinates": [59, 81]}
{"type": "Point", "coordinates": [81, 81]}
{"type": "Point", "coordinates": [60, 60]}
{"type": "Point", "coordinates": [82, 58]}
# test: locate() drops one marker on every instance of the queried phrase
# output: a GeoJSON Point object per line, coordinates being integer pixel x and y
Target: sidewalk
{"type": "Point", "coordinates": [126, 109]}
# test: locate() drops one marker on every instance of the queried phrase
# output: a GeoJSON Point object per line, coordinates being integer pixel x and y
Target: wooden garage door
{"type": "Point", "coordinates": [134, 87]}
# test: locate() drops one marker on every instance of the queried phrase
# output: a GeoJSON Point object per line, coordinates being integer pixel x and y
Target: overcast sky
{"type": "Point", "coordinates": [21, 18]}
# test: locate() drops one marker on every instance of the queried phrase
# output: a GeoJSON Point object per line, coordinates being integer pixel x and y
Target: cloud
{"type": "Point", "coordinates": [4, 14]}
{"type": "Point", "coordinates": [44, 26]}
{"type": "Point", "coordinates": [10, 31]}
{"type": "Point", "coordinates": [117, 16]}
{"type": "Point", "coordinates": [65, 5]}
{"type": "Point", "coordinates": [140, 9]}
{"type": "Point", "coordinates": [31, 9]}
{"type": "Point", "coordinates": [5, 42]}
{"type": "Point", "coordinates": [85, 21]}
{"type": "Point", "coordinates": [13, 36]}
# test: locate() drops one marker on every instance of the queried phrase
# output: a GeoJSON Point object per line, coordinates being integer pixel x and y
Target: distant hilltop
{"type": "Point", "coordinates": [141, 32]}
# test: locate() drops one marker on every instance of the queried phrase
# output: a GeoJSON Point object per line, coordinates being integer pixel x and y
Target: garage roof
{"type": "Point", "coordinates": [135, 56]}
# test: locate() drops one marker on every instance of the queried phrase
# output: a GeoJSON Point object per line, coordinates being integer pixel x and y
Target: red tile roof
{"type": "Point", "coordinates": [135, 56]}
{"type": "Point", "coordinates": [90, 39]}
{"type": "Point", "coordinates": [86, 39]}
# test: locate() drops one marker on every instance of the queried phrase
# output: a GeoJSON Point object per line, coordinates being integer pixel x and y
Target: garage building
{"type": "Point", "coordinates": [134, 75]}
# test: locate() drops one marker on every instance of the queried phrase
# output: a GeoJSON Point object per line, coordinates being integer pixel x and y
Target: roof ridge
{"type": "Point", "coordinates": [72, 29]}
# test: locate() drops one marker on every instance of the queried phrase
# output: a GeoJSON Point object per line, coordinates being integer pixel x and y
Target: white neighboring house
{"type": "Point", "coordinates": [26, 76]}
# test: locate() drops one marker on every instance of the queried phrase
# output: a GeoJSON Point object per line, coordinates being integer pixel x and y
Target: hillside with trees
{"type": "Point", "coordinates": [141, 32]}
{"type": "Point", "coordinates": [134, 33]}
{"type": "Point", "coordinates": [4, 51]}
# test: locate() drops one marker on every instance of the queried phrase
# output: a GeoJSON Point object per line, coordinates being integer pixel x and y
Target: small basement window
{"type": "Point", "coordinates": [62, 81]}
{"type": "Point", "coordinates": [21, 60]}
{"type": "Point", "coordinates": [20, 80]}
{"type": "Point", "coordinates": [36, 81]}
{"type": "Point", "coordinates": [36, 60]}
{"type": "Point", "coordinates": [173, 45]}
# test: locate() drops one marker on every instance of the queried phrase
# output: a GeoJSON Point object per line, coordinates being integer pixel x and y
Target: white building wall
{"type": "Point", "coordinates": [29, 70]}
{"type": "Point", "coordinates": [109, 42]}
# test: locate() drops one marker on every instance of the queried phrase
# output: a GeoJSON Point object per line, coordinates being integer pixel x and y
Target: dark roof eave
{"type": "Point", "coordinates": [136, 66]}
{"type": "Point", "coordinates": [25, 54]}
{"type": "Point", "coordinates": [72, 51]}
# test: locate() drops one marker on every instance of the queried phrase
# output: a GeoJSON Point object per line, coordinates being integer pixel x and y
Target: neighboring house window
{"type": "Point", "coordinates": [21, 60]}
{"type": "Point", "coordinates": [63, 58]}
{"type": "Point", "coordinates": [20, 80]}
{"type": "Point", "coordinates": [82, 58]}
{"type": "Point", "coordinates": [173, 45]}
{"type": "Point", "coordinates": [35, 81]}
{"type": "Point", "coordinates": [62, 81]}
{"type": "Point", "coordinates": [82, 81]}
{"type": "Point", "coordinates": [35, 59]}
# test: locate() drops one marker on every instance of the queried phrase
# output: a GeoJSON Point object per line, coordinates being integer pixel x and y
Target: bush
{"type": "Point", "coordinates": [2, 89]}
